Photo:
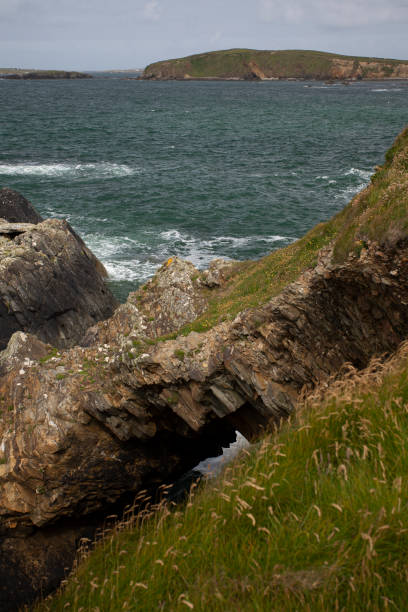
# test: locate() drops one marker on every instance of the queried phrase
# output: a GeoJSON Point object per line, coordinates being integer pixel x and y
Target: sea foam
{"type": "Point", "coordinates": [92, 170]}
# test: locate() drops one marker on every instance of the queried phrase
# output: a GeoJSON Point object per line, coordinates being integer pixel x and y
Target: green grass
{"type": "Point", "coordinates": [378, 213]}
{"type": "Point", "coordinates": [291, 63]}
{"type": "Point", "coordinates": [313, 518]}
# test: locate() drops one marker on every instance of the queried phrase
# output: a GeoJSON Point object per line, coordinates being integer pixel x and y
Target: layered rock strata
{"type": "Point", "coordinates": [84, 426]}
{"type": "Point", "coordinates": [51, 284]}
{"type": "Point", "coordinates": [14, 208]}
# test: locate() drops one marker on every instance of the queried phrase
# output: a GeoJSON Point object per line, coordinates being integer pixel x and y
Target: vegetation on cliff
{"type": "Point", "coordinates": [314, 516]}
{"type": "Point", "coordinates": [290, 64]}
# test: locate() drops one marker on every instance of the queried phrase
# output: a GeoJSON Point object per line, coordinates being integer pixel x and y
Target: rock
{"type": "Point", "coordinates": [117, 404]}
{"type": "Point", "coordinates": [14, 229]}
{"type": "Point", "coordinates": [82, 427]}
{"type": "Point", "coordinates": [217, 272]}
{"type": "Point", "coordinates": [16, 209]}
{"type": "Point", "coordinates": [23, 350]}
{"type": "Point", "coordinates": [172, 298]}
{"type": "Point", "coordinates": [50, 283]}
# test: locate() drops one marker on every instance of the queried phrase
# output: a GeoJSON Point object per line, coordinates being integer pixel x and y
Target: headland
{"type": "Point", "coordinates": [254, 65]}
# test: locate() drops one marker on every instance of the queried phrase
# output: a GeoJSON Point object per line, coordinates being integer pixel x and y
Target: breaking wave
{"type": "Point", "coordinates": [128, 259]}
{"type": "Point", "coordinates": [95, 170]}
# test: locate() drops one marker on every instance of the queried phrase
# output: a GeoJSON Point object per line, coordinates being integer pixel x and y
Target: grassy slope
{"type": "Point", "coordinates": [289, 63]}
{"type": "Point", "coordinates": [315, 516]}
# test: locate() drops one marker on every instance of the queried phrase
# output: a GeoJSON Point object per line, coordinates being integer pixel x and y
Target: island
{"type": "Point", "coordinates": [12, 73]}
{"type": "Point", "coordinates": [253, 65]}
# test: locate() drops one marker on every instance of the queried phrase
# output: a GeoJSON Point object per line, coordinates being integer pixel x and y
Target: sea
{"type": "Point", "coordinates": [146, 170]}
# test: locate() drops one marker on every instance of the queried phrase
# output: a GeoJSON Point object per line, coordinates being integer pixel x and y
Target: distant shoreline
{"type": "Point", "coordinates": [278, 80]}
{"type": "Point", "coordinates": [43, 74]}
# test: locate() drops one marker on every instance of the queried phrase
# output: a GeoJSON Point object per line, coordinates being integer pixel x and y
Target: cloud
{"type": "Point", "coordinates": [345, 14]}
{"type": "Point", "coordinates": [152, 10]}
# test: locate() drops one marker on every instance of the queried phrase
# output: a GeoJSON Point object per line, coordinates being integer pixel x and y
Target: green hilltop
{"type": "Point", "coordinates": [249, 64]}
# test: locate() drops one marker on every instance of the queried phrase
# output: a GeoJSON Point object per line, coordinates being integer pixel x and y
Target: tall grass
{"type": "Point", "coordinates": [314, 517]}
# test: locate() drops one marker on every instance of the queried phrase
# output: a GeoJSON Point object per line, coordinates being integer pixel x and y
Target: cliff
{"type": "Point", "coordinates": [248, 64]}
{"type": "Point", "coordinates": [144, 396]}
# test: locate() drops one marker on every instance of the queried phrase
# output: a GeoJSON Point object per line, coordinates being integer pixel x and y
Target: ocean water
{"type": "Point", "coordinates": [146, 170]}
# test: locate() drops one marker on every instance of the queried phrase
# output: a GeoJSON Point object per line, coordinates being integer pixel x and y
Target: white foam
{"type": "Point", "coordinates": [364, 174]}
{"type": "Point", "coordinates": [171, 235]}
{"type": "Point", "coordinates": [105, 247]}
{"type": "Point", "coordinates": [137, 260]}
{"type": "Point", "coordinates": [350, 191]}
{"type": "Point", "coordinates": [96, 170]}
{"type": "Point", "coordinates": [131, 270]}
{"type": "Point", "coordinates": [231, 241]}
{"type": "Point", "coordinates": [213, 466]}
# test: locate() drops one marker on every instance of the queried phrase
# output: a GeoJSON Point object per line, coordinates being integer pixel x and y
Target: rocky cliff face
{"type": "Point", "coordinates": [50, 283]}
{"type": "Point", "coordinates": [82, 427]}
{"type": "Point", "coordinates": [369, 70]}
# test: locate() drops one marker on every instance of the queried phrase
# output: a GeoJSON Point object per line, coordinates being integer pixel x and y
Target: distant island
{"type": "Point", "coordinates": [11, 73]}
{"type": "Point", "coordinates": [249, 64]}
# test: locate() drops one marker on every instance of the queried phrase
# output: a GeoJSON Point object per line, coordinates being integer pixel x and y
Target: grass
{"type": "Point", "coordinates": [313, 518]}
{"type": "Point", "coordinates": [378, 213]}
{"type": "Point", "coordinates": [289, 63]}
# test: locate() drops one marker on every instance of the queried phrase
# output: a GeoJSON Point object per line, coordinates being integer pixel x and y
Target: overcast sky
{"type": "Point", "coordinates": [107, 34]}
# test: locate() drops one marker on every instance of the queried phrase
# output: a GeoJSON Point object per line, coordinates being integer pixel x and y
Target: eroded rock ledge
{"type": "Point", "coordinates": [83, 426]}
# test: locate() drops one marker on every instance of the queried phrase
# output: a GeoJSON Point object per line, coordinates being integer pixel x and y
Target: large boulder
{"type": "Point", "coordinates": [51, 284]}
{"type": "Point", "coordinates": [172, 298]}
{"type": "Point", "coordinates": [16, 209]}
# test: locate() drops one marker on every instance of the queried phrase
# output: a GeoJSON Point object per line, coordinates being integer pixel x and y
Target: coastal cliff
{"type": "Point", "coordinates": [188, 359]}
{"type": "Point", "coordinates": [249, 64]}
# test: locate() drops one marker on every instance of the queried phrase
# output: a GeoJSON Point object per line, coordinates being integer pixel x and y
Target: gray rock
{"type": "Point", "coordinates": [50, 283]}
{"type": "Point", "coordinates": [16, 209]}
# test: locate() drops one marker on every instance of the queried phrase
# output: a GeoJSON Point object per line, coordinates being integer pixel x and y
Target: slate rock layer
{"type": "Point", "coordinates": [14, 208]}
{"type": "Point", "coordinates": [51, 284]}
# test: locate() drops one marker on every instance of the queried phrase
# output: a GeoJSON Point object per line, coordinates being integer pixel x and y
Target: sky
{"type": "Point", "coordinates": [124, 34]}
